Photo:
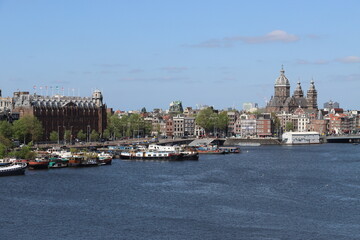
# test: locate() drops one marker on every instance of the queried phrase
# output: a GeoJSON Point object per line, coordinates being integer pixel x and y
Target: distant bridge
{"type": "Point", "coordinates": [343, 139]}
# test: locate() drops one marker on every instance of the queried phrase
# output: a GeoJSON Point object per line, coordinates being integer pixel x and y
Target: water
{"type": "Point", "coordinates": [267, 192]}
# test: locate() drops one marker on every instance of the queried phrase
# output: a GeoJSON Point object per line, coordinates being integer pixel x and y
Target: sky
{"type": "Point", "coordinates": [148, 53]}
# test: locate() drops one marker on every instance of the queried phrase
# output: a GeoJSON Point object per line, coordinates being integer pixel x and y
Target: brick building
{"type": "Point", "coordinates": [60, 113]}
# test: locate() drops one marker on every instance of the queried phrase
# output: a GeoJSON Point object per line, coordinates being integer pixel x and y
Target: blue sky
{"type": "Point", "coordinates": [205, 52]}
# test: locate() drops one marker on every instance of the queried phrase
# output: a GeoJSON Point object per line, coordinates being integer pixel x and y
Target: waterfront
{"type": "Point", "coordinates": [266, 192]}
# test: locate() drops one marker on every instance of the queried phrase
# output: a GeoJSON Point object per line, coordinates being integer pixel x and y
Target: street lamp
{"type": "Point", "coordinates": [71, 135]}
{"type": "Point", "coordinates": [88, 133]}
{"type": "Point", "coordinates": [64, 134]}
{"type": "Point", "coordinates": [58, 134]}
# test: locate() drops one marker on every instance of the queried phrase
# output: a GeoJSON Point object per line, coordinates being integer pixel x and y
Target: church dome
{"type": "Point", "coordinates": [282, 79]}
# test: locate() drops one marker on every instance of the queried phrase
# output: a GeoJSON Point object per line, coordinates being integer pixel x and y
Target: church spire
{"type": "Point", "coordinates": [298, 91]}
{"type": "Point", "coordinates": [312, 96]}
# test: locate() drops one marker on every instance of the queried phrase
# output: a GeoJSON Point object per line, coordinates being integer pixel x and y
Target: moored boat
{"type": "Point", "coordinates": [188, 153]}
{"type": "Point", "coordinates": [38, 163]}
{"type": "Point", "coordinates": [152, 156]}
{"type": "Point", "coordinates": [13, 169]}
{"type": "Point", "coordinates": [210, 150]}
{"type": "Point", "coordinates": [230, 149]}
{"type": "Point", "coordinates": [104, 158]}
{"type": "Point", "coordinates": [58, 163]}
{"type": "Point", "coordinates": [75, 160]}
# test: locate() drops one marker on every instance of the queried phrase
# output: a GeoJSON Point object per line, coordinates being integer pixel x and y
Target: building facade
{"type": "Point", "coordinates": [61, 113]}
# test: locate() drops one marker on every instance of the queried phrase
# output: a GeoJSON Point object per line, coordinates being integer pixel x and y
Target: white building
{"type": "Point", "coordinates": [301, 138]}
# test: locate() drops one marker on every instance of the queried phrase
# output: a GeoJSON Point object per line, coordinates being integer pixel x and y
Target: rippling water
{"type": "Point", "coordinates": [267, 192]}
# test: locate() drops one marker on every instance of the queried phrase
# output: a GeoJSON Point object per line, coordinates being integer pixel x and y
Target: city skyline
{"type": "Point", "coordinates": [150, 53]}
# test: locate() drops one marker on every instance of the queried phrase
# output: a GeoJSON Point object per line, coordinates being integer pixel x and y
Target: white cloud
{"type": "Point", "coordinates": [155, 79]}
{"type": "Point", "coordinates": [174, 69]}
{"type": "Point", "coordinates": [349, 59]}
{"type": "Point", "coordinates": [316, 62]}
{"type": "Point", "coordinates": [274, 36]}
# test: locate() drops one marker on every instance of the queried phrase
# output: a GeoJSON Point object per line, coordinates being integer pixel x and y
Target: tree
{"type": "Point", "coordinates": [24, 153]}
{"type": "Point", "coordinates": [28, 128]}
{"type": "Point", "coordinates": [81, 135]}
{"type": "Point", "coordinates": [6, 129]}
{"type": "Point", "coordinates": [222, 121]}
{"type": "Point", "coordinates": [276, 123]}
{"type": "Point", "coordinates": [114, 125]}
{"type": "Point", "coordinates": [205, 119]}
{"type": "Point", "coordinates": [289, 126]}
{"type": "Point", "coordinates": [94, 135]}
{"type": "Point", "coordinates": [143, 110]}
{"type": "Point", "coordinates": [3, 150]}
{"type": "Point", "coordinates": [54, 136]}
{"type": "Point", "coordinates": [67, 135]}
{"type": "Point", "coordinates": [106, 134]}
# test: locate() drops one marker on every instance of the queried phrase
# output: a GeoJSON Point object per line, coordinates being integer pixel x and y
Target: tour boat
{"type": "Point", "coordinates": [13, 169]}
{"type": "Point", "coordinates": [187, 153]}
{"type": "Point", "coordinates": [147, 155]}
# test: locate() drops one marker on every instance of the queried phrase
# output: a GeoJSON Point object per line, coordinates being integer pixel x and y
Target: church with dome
{"type": "Point", "coordinates": [283, 102]}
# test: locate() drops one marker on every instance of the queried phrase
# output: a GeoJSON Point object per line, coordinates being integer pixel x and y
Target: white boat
{"type": "Point", "coordinates": [105, 158]}
{"type": "Point", "coordinates": [147, 155]}
{"type": "Point", "coordinates": [13, 169]}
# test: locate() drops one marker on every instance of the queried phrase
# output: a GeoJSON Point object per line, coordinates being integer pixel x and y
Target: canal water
{"type": "Point", "coordinates": [266, 192]}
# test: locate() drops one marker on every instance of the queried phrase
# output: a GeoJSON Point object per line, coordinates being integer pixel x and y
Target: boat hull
{"type": "Point", "coordinates": [38, 165]}
{"type": "Point", "coordinates": [12, 170]}
{"type": "Point", "coordinates": [191, 156]}
{"type": "Point", "coordinates": [106, 161]}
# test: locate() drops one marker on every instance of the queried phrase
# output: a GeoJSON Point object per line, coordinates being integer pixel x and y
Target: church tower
{"type": "Point", "coordinates": [312, 96]}
{"type": "Point", "coordinates": [298, 93]}
{"type": "Point", "coordinates": [282, 87]}
{"type": "Point", "coordinates": [97, 98]}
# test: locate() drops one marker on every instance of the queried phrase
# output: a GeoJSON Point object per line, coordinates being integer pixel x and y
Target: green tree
{"type": "Point", "coordinates": [94, 135]}
{"type": "Point", "coordinates": [24, 153]}
{"type": "Point", "coordinates": [222, 121]}
{"type": "Point", "coordinates": [106, 134]}
{"type": "Point", "coordinates": [67, 135]}
{"type": "Point", "coordinates": [206, 119]}
{"type": "Point", "coordinates": [114, 125]}
{"type": "Point", "coordinates": [3, 150]}
{"type": "Point", "coordinates": [81, 135]}
{"type": "Point", "coordinates": [28, 128]}
{"type": "Point", "coordinates": [54, 136]}
{"type": "Point", "coordinates": [289, 126]}
{"type": "Point", "coordinates": [276, 123]}
{"type": "Point", "coordinates": [6, 129]}
{"type": "Point", "coordinates": [5, 145]}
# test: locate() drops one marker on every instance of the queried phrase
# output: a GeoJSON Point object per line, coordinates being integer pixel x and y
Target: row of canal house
{"type": "Point", "coordinates": [333, 121]}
